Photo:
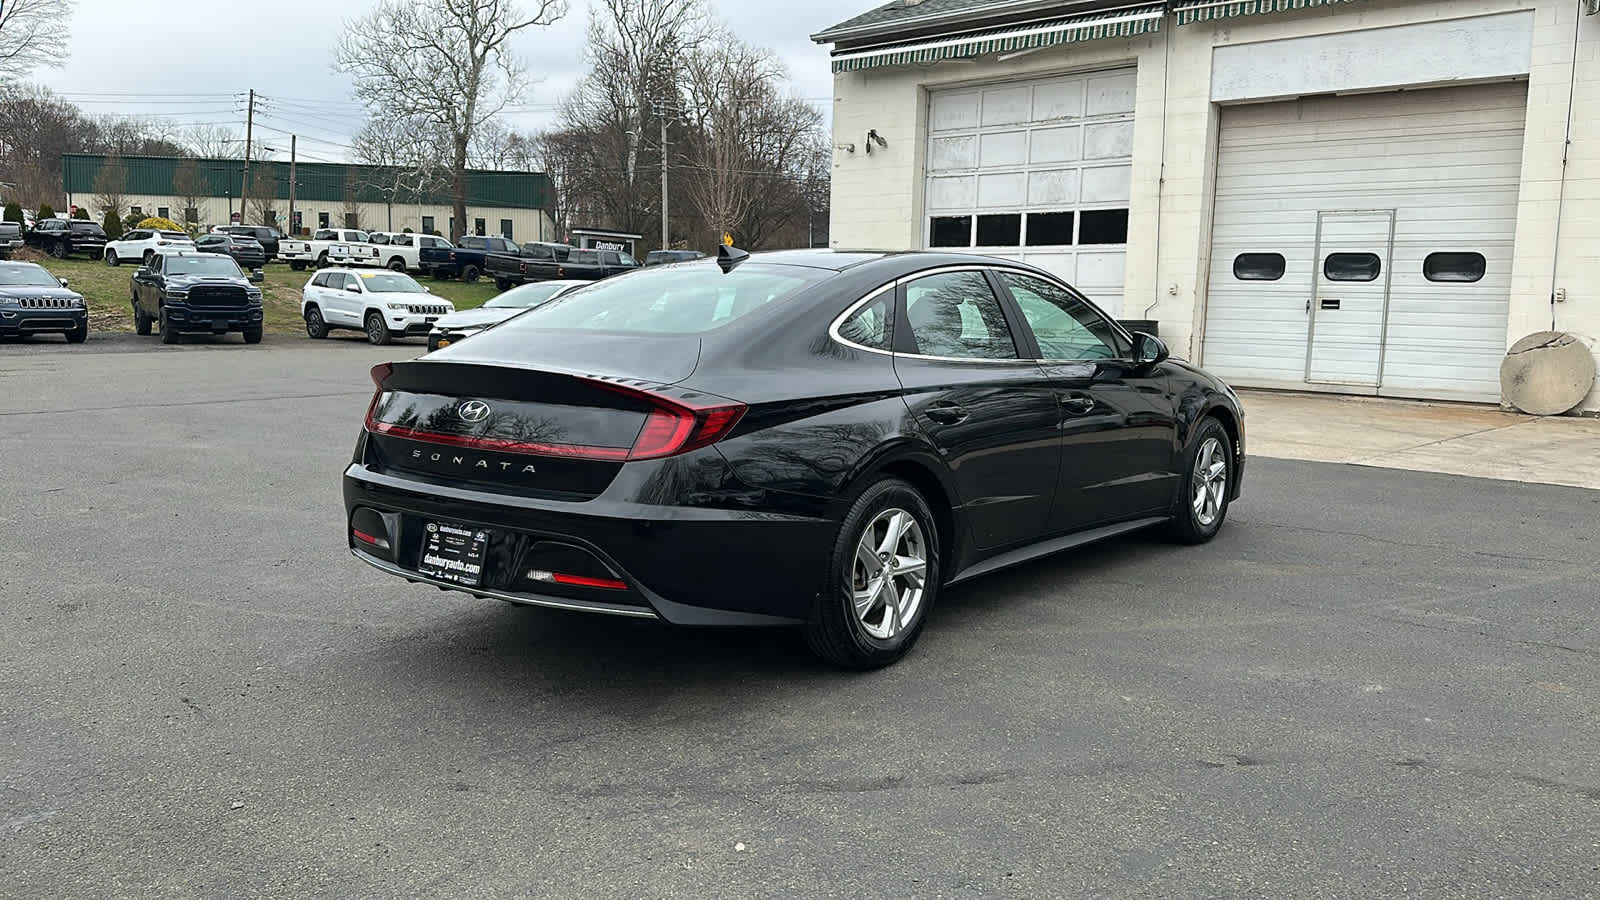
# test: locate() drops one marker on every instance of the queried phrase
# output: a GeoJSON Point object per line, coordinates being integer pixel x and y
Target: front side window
{"type": "Point", "coordinates": [1064, 326]}
{"type": "Point", "coordinates": [610, 258]}
{"type": "Point", "coordinates": [956, 315]}
{"type": "Point", "coordinates": [626, 259]}
{"type": "Point", "coordinates": [664, 299]}
{"type": "Point", "coordinates": [869, 325]}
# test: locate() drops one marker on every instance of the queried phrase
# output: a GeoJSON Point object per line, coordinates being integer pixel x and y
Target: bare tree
{"type": "Point", "coordinates": [401, 161]}
{"type": "Point", "coordinates": [213, 142]}
{"type": "Point", "coordinates": [263, 195]}
{"type": "Point", "coordinates": [34, 33]}
{"type": "Point", "coordinates": [352, 200]}
{"type": "Point", "coordinates": [111, 185]}
{"type": "Point", "coordinates": [445, 62]}
{"type": "Point", "coordinates": [190, 189]}
{"type": "Point", "coordinates": [36, 128]}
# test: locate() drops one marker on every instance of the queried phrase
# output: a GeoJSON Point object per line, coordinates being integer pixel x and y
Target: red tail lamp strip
{"type": "Point", "coordinates": [369, 539]}
{"type": "Point", "coordinates": [585, 581]}
{"type": "Point", "coordinates": [671, 427]}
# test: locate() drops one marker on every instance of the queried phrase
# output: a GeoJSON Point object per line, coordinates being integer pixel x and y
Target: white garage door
{"type": "Point", "coordinates": [1037, 171]}
{"type": "Point", "coordinates": [1364, 243]}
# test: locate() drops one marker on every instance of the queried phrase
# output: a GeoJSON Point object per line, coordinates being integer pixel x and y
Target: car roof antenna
{"type": "Point", "coordinates": [729, 256]}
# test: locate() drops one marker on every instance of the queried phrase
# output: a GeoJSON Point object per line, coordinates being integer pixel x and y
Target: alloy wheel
{"type": "Point", "coordinates": [887, 577]}
{"type": "Point", "coordinates": [1210, 482]}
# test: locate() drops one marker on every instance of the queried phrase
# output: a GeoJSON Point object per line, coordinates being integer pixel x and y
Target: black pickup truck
{"type": "Point", "coordinates": [196, 292]}
{"type": "Point", "coordinates": [466, 259]}
{"type": "Point", "coordinates": [548, 262]}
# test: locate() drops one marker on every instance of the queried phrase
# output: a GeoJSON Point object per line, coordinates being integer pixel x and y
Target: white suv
{"type": "Point", "coordinates": [384, 304]}
{"type": "Point", "coordinates": [140, 244]}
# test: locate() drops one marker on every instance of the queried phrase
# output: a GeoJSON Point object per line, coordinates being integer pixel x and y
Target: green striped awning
{"type": "Point", "coordinates": [1121, 23]}
{"type": "Point", "coordinates": [1206, 10]}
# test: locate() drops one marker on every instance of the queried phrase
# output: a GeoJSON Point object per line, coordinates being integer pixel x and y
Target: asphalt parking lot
{"type": "Point", "coordinates": [1374, 682]}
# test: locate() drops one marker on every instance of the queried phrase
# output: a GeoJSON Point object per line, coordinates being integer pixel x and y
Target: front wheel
{"type": "Point", "coordinates": [78, 335]}
{"type": "Point", "coordinates": [397, 265]}
{"type": "Point", "coordinates": [882, 579]}
{"type": "Point", "coordinates": [141, 322]}
{"type": "Point", "coordinates": [469, 274]}
{"type": "Point", "coordinates": [252, 335]}
{"type": "Point", "coordinates": [1208, 474]}
{"type": "Point", "coordinates": [169, 335]}
{"type": "Point", "coordinates": [322, 261]}
{"type": "Point", "coordinates": [377, 331]}
{"type": "Point", "coordinates": [316, 328]}
{"type": "Point", "coordinates": [111, 258]}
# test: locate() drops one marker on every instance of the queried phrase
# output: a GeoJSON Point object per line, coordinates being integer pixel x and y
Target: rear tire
{"type": "Point", "coordinates": [882, 579]}
{"type": "Point", "coordinates": [469, 274]}
{"type": "Point", "coordinates": [322, 261]}
{"type": "Point", "coordinates": [111, 259]}
{"type": "Point", "coordinates": [397, 264]}
{"type": "Point", "coordinates": [169, 335]}
{"type": "Point", "coordinates": [58, 250]}
{"type": "Point", "coordinates": [316, 328]}
{"type": "Point", "coordinates": [297, 265]}
{"type": "Point", "coordinates": [252, 335]}
{"type": "Point", "coordinates": [377, 330]}
{"type": "Point", "coordinates": [502, 285]}
{"type": "Point", "coordinates": [1208, 475]}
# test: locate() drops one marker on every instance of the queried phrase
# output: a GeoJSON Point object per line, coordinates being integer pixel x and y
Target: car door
{"type": "Point", "coordinates": [145, 286]}
{"type": "Point", "coordinates": [1118, 422]}
{"type": "Point", "coordinates": [990, 412]}
{"type": "Point", "coordinates": [346, 304]}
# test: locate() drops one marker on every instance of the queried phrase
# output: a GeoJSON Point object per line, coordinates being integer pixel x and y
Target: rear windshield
{"type": "Point", "coordinates": [175, 236]}
{"type": "Point", "coordinates": [9, 228]}
{"type": "Point", "coordinates": [87, 228]}
{"type": "Point", "coordinates": [684, 300]}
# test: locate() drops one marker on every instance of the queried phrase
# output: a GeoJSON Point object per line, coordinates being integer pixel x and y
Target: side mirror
{"type": "Point", "coordinates": [63, 282]}
{"type": "Point", "coordinates": [353, 288]}
{"type": "Point", "coordinates": [1149, 350]}
{"type": "Point", "coordinates": [257, 276]}
{"type": "Point", "coordinates": [426, 289]}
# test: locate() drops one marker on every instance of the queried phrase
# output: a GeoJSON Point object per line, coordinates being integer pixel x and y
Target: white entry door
{"type": "Point", "coordinates": [1349, 303]}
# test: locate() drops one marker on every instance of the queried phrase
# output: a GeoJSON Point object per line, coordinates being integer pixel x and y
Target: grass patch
{"type": "Point", "coordinates": [108, 291]}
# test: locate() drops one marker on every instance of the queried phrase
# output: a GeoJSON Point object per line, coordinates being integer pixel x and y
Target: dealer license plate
{"type": "Point", "coordinates": [454, 553]}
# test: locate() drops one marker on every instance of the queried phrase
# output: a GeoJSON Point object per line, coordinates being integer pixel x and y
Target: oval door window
{"type": "Point", "coordinates": [1352, 267]}
{"type": "Point", "coordinates": [1258, 266]}
{"type": "Point", "coordinates": [1457, 267]}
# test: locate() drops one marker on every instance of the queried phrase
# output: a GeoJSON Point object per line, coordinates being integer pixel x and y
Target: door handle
{"type": "Point", "coordinates": [1077, 406]}
{"type": "Point", "coordinates": [946, 413]}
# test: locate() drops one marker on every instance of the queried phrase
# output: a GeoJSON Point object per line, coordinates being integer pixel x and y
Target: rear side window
{"type": "Point", "coordinates": [1454, 267]}
{"type": "Point", "coordinates": [869, 325]}
{"type": "Point", "coordinates": [321, 280]}
{"type": "Point", "coordinates": [325, 236]}
{"type": "Point", "coordinates": [1259, 266]}
{"type": "Point", "coordinates": [956, 315]}
{"type": "Point", "coordinates": [668, 300]}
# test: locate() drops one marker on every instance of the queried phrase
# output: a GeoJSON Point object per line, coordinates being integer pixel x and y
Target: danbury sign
{"type": "Point", "coordinates": [599, 239]}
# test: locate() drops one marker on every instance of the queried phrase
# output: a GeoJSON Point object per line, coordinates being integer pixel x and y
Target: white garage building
{"type": "Point", "coordinates": [1362, 196]}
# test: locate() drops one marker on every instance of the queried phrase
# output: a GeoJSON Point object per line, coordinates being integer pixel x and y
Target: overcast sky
{"type": "Point", "coordinates": [132, 58]}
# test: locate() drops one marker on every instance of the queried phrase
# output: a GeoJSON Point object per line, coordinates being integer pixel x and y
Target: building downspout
{"type": "Point", "coordinates": [1161, 175]}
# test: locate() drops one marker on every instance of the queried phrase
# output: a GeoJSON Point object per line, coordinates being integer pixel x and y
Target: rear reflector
{"type": "Point", "coordinates": [365, 538]}
{"type": "Point", "coordinates": [610, 584]}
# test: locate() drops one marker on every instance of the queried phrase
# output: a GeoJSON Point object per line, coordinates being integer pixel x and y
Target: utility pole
{"type": "Point", "coordinates": [293, 139]}
{"type": "Point", "coordinates": [244, 182]}
{"type": "Point", "coordinates": [666, 240]}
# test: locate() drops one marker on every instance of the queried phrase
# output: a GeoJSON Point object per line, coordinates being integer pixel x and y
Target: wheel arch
{"type": "Point", "coordinates": [919, 465]}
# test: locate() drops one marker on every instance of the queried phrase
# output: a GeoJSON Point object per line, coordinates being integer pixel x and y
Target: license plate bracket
{"type": "Point", "coordinates": [453, 553]}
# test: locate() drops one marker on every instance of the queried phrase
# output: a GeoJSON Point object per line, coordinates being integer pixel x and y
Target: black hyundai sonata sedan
{"type": "Point", "coordinates": [808, 438]}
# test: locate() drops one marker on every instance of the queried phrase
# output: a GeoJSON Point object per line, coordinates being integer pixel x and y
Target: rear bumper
{"type": "Point", "coordinates": [682, 565]}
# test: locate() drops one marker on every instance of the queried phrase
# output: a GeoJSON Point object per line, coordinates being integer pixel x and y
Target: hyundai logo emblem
{"type": "Point", "coordinates": [473, 411]}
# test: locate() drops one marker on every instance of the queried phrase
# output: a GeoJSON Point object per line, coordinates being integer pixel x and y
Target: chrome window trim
{"type": "Point", "coordinates": [997, 266]}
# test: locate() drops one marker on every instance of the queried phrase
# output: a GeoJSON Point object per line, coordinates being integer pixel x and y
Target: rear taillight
{"type": "Point", "coordinates": [672, 426]}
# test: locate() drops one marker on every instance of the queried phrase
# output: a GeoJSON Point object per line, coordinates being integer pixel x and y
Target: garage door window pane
{"type": "Point", "coordinates": [1258, 266]}
{"type": "Point", "coordinates": [1049, 229]}
{"type": "Point", "coordinates": [956, 315]}
{"type": "Point", "coordinates": [1351, 267]}
{"type": "Point", "coordinates": [1000, 231]}
{"type": "Point", "coordinates": [1104, 226]}
{"type": "Point", "coordinates": [1458, 267]}
{"type": "Point", "coordinates": [951, 231]}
